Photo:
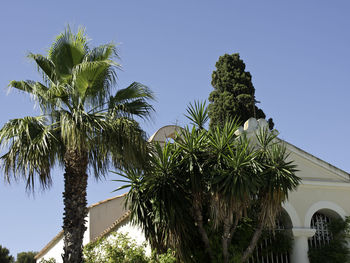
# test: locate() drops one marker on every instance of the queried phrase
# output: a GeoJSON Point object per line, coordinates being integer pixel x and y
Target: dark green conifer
{"type": "Point", "coordinates": [234, 94]}
{"type": "Point", "coordinates": [5, 256]}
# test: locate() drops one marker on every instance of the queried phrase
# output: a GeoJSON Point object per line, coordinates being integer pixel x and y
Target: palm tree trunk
{"type": "Point", "coordinates": [75, 210]}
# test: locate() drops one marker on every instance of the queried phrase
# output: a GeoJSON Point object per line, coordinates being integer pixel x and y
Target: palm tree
{"type": "Point", "coordinates": [82, 126]}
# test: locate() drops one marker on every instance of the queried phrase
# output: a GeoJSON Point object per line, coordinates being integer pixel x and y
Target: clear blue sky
{"type": "Point", "coordinates": [297, 52]}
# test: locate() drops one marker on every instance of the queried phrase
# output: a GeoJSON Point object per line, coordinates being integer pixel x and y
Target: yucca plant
{"type": "Point", "coordinates": [277, 179]}
{"type": "Point", "coordinates": [83, 126]}
{"type": "Point", "coordinates": [205, 183]}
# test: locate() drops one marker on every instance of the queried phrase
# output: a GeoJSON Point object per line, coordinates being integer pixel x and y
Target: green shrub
{"type": "Point", "coordinates": [50, 260]}
{"type": "Point", "coordinates": [26, 257]}
{"type": "Point", "coordinates": [5, 256]}
{"type": "Point", "coordinates": [120, 248]}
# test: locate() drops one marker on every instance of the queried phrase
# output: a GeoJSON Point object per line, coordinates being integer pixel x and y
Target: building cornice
{"type": "Point", "coordinates": [324, 184]}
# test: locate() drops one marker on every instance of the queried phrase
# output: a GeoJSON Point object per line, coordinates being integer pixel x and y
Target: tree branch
{"type": "Point", "coordinates": [202, 232]}
{"type": "Point", "coordinates": [257, 234]}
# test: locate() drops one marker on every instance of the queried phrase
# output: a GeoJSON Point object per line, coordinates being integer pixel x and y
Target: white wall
{"type": "Point", "coordinates": [57, 249]}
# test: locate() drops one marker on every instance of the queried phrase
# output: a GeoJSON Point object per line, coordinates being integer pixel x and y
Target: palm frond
{"type": "Point", "coordinates": [31, 150]}
{"type": "Point", "coordinates": [198, 114]}
{"type": "Point", "coordinates": [157, 201]}
{"type": "Point", "coordinates": [45, 66]}
{"type": "Point", "coordinates": [265, 139]}
{"type": "Point", "coordinates": [277, 175]}
{"type": "Point", "coordinates": [222, 139]}
{"type": "Point", "coordinates": [102, 52]}
{"type": "Point", "coordinates": [132, 101]}
{"type": "Point", "coordinates": [120, 140]}
{"type": "Point", "coordinates": [193, 144]}
{"type": "Point", "coordinates": [134, 91]}
{"type": "Point", "coordinates": [48, 99]}
{"type": "Point", "coordinates": [35, 89]}
{"type": "Point", "coordinates": [67, 51]}
{"type": "Point", "coordinates": [94, 80]}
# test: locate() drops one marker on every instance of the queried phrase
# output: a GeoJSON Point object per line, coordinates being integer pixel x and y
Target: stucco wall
{"type": "Point", "coordinates": [313, 171]}
{"type": "Point", "coordinates": [56, 249]}
{"type": "Point", "coordinates": [323, 186]}
{"type": "Point", "coordinates": [308, 199]}
{"type": "Point", "coordinates": [55, 252]}
{"type": "Point", "coordinates": [104, 214]}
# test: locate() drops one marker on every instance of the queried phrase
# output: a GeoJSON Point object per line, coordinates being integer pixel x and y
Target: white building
{"type": "Point", "coordinates": [323, 193]}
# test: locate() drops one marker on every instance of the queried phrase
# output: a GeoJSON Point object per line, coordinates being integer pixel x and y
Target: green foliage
{"type": "Point", "coordinates": [50, 260]}
{"type": "Point", "coordinates": [337, 251]}
{"type": "Point", "coordinates": [198, 114]}
{"type": "Point", "coordinates": [281, 242]}
{"type": "Point", "coordinates": [26, 257]}
{"type": "Point", "coordinates": [234, 94]}
{"type": "Point", "coordinates": [167, 257]}
{"type": "Point", "coordinates": [119, 248]}
{"type": "Point", "coordinates": [5, 256]}
{"type": "Point", "coordinates": [80, 110]}
{"type": "Point", "coordinates": [192, 191]}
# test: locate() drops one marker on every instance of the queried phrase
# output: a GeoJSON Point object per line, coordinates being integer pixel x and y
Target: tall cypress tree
{"type": "Point", "coordinates": [234, 94]}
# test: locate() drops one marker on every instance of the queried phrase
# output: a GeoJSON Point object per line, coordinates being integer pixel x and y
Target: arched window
{"type": "Point", "coordinates": [320, 221]}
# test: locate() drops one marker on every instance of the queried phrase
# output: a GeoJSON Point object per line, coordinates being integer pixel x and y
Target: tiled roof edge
{"type": "Point", "coordinates": [107, 200]}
